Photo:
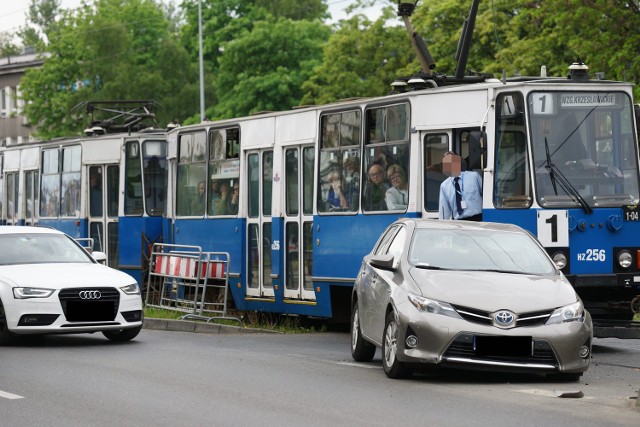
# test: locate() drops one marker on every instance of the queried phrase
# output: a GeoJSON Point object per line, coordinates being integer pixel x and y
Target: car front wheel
{"type": "Point", "coordinates": [361, 349]}
{"type": "Point", "coordinates": [6, 337]}
{"type": "Point", "coordinates": [122, 334]}
{"type": "Point", "coordinates": [392, 366]}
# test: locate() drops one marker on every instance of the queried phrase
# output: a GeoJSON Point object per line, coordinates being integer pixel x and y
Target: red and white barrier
{"type": "Point", "coordinates": [186, 267]}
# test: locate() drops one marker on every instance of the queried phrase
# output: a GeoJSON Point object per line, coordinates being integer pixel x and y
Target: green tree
{"type": "Point", "coordinates": [296, 10]}
{"type": "Point", "coordinates": [263, 69]}
{"type": "Point", "coordinates": [519, 36]}
{"type": "Point", "coordinates": [117, 49]}
{"type": "Point", "coordinates": [362, 58]}
{"type": "Point", "coordinates": [41, 21]}
{"type": "Point", "coordinates": [7, 46]}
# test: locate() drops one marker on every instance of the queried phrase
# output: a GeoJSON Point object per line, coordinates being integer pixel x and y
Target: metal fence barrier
{"type": "Point", "coordinates": [184, 278]}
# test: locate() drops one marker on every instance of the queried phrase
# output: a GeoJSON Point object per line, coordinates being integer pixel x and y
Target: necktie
{"type": "Point", "coordinates": [456, 184]}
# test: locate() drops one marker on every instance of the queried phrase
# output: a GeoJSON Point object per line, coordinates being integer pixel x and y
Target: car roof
{"type": "Point", "coordinates": [443, 224]}
{"type": "Point", "coordinates": [24, 229]}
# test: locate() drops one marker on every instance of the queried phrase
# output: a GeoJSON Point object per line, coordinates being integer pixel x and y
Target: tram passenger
{"type": "Point", "coordinates": [198, 202]}
{"type": "Point", "coordinates": [376, 189]}
{"type": "Point", "coordinates": [337, 198]}
{"type": "Point", "coordinates": [214, 194]}
{"type": "Point", "coordinates": [235, 198]}
{"type": "Point", "coordinates": [461, 192]}
{"type": "Point", "coordinates": [221, 205]}
{"type": "Point", "coordinates": [95, 192]}
{"type": "Point", "coordinates": [397, 197]}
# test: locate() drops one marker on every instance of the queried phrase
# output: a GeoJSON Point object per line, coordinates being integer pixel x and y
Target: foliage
{"type": "Point", "coordinates": [7, 46]}
{"type": "Point", "coordinates": [251, 319]}
{"type": "Point", "coordinates": [519, 36]}
{"type": "Point", "coordinates": [263, 69]}
{"type": "Point", "coordinates": [361, 59]}
{"type": "Point", "coordinates": [117, 49]}
{"type": "Point", "coordinates": [231, 24]}
{"type": "Point", "coordinates": [41, 23]}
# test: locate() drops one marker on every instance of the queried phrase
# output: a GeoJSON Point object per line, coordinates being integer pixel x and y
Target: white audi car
{"type": "Point", "coordinates": [49, 284]}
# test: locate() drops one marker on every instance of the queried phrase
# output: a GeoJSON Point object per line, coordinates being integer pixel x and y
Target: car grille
{"type": "Point", "coordinates": [500, 349]}
{"type": "Point", "coordinates": [77, 309]}
{"type": "Point", "coordinates": [473, 315]}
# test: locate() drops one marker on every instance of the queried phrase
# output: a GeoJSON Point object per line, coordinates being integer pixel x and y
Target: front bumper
{"type": "Point", "coordinates": [54, 315]}
{"type": "Point", "coordinates": [454, 342]}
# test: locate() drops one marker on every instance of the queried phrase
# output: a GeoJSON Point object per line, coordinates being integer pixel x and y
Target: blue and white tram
{"type": "Point", "coordinates": [111, 188]}
{"type": "Point", "coordinates": [558, 156]}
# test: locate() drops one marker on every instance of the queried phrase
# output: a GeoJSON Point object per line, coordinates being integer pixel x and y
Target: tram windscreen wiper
{"type": "Point", "coordinates": [557, 177]}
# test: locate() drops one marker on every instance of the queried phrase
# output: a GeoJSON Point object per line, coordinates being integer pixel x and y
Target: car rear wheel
{"type": "Point", "coordinates": [392, 366]}
{"type": "Point", "coordinates": [6, 337]}
{"type": "Point", "coordinates": [122, 334]}
{"type": "Point", "coordinates": [361, 349]}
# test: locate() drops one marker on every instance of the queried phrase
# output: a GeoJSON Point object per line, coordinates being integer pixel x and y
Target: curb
{"type": "Point", "coordinates": [198, 327]}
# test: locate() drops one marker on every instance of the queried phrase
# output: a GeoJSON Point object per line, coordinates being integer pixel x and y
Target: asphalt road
{"type": "Point", "coordinates": [167, 378]}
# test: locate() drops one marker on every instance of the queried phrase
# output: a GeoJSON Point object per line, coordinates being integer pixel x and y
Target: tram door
{"type": "Point", "coordinates": [259, 236]}
{"type": "Point", "coordinates": [103, 210]}
{"type": "Point", "coordinates": [298, 222]}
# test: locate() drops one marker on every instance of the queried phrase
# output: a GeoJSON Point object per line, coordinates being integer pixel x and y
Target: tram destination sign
{"type": "Point", "coordinates": [587, 100]}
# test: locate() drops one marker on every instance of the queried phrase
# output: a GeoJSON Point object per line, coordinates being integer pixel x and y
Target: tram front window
{"type": "Point", "coordinates": [584, 149]}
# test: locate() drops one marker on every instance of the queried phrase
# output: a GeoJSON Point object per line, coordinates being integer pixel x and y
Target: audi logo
{"type": "Point", "coordinates": [89, 294]}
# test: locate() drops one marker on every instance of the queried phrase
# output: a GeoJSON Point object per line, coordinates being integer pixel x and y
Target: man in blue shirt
{"type": "Point", "coordinates": [461, 193]}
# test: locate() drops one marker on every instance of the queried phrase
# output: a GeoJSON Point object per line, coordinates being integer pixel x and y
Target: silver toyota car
{"type": "Point", "coordinates": [469, 295]}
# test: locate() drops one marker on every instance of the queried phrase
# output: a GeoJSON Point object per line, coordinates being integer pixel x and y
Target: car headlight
{"type": "Point", "coordinates": [132, 289]}
{"type": "Point", "coordinates": [432, 306]}
{"type": "Point", "coordinates": [26, 293]}
{"type": "Point", "coordinates": [569, 313]}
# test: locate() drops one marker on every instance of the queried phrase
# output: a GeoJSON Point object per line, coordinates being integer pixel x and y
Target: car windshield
{"type": "Point", "coordinates": [486, 250]}
{"type": "Point", "coordinates": [38, 248]}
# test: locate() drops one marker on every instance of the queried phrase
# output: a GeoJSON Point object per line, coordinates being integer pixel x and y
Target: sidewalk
{"type": "Point", "coordinates": [199, 327]}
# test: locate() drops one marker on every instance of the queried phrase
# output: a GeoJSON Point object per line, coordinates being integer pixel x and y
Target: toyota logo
{"type": "Point", "coordinates": [504, 318]}
{"type": "Point", "coordinates": [89, 294]}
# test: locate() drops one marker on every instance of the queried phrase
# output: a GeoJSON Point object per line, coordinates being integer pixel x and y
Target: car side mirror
{"type": "Point", "coordinates": [382, 261]}
{"type": "Point", "coordinates": [101, 257]}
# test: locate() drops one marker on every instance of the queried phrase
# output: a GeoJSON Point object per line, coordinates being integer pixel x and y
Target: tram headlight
{"type": "Point", "coordinates": [625, 259]}
{"type": "Point", "coordinates": [560, 260]}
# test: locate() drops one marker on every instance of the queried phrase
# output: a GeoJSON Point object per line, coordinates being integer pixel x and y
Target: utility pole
{"type": "Point", "coordinates": [201, 61]}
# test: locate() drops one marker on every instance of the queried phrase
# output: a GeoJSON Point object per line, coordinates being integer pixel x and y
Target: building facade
{"type": "Point", "coordinates": [14, 126]}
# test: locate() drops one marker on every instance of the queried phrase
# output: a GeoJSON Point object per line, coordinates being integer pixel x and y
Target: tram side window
{"type": "Point", "coordinates": [50, 183]}
{"type": "Point", "coordinates": [13, 182]}
{"type": "Point", "coordinates": [339, 166]}
{"type": "Point", "coordinates": [31, 196]}
{"type": "Point", "coordinates": [512, 182]}
{"type": "Point", "coordinates": [435, 147]}
{"type": "Point", "coordinates": [191, 195]}
{"type": "Point", "coordinates": [71, 163]}
{"type": "Point", "coordinates": [155, 176]}
{"type": "Point", "coordinates": [386, 159]}
{"type": "Point", "coordinates": [223, 184]}
{"type": "Point", "coordinates": [133, 204]}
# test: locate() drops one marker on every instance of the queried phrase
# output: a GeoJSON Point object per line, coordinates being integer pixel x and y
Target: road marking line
{"type": "Point", "coordinates": [7, 395]}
